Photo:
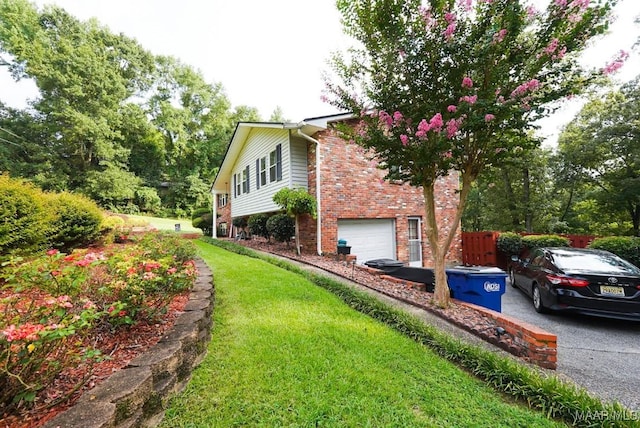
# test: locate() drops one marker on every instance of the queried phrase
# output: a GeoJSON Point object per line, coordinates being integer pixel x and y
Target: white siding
{"type": "Point", "coordinates": [299, 171]}
{"type": "Point", "coordinates": [259, 143]}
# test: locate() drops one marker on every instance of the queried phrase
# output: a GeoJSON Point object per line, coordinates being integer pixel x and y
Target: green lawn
{"type": "Point", "coordinates": [165, 223]}
{"type": "Point", "coordinates": [285, 352]}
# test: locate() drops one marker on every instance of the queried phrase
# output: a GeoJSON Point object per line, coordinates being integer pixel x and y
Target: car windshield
{"type": "Point", "coordinates": [594, 262]}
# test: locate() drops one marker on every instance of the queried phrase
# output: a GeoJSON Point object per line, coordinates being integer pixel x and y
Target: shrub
{"type": "Point", "coordinates": [281, 227]}
{"type": "Point", "coordinates": [24, 217]}
{"type": "Point", "coordinates": [202, 218]}
{"type": "Point", "coordinates": [627, 247]}
{"type": "Point", "coordinates": [510, 243]}
{"type": "Point", "coordinates": [54, 301]}
{"type": "Point", "coordinates": [77, 221]}
{"type": "Point", "coordinates": [258, 225]}
{"type": "Point", "coordinates": [532, 242]}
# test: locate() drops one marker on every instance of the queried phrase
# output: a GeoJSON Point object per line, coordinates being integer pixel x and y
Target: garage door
{"type": "Point", "coordinates": [369, 239]}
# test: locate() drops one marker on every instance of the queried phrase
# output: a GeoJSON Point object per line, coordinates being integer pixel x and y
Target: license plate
{"type": "Point", "coordinates": [611, 290]}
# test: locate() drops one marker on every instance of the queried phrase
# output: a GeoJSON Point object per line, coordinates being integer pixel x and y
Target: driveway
{"type": "Point", "coordinates": [599, 354]}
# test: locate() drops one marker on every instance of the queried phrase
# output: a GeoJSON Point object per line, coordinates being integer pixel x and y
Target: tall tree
{"type": "Point", "coordinates": [602, 146]}
{"type": "Point", "coordinates": [438, 88]}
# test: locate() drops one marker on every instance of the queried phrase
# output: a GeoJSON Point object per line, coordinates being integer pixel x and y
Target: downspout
{"type": "Point", "coordinates": [318, 193]}
{"type": "Point", "coordinates": [214, 225]}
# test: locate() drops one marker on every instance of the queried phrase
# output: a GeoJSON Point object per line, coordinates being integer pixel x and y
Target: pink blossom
{"type": "Point", "coordinates": [561, 3]}
{"type": "Point", "coordinates": [436, 122]}
{"type": "Point", "coordinates": [466, 4]}
{"type": "Point", "coordinates": [531, 12]}
{"type": "Point", "coordinates": [427, 16]}
{"type": "Point", "coordinates": [522, 89]}
{"type": "Point", "coordinates": [489, 117]}
{"type": "Point", "coordinates": [452, 128]}
{"type": "Point", "coordinates": [551, 47]}
{"type": "Point", "coordinates": [404, 139]}
{"type": "Point", "coordinates": [385, 119]}
{"type": "Point", "coordinates": [26, 331]}
{"type": "Point", "coordinates": [172, 270]}
{"type": "Point", "coordinates": [397, 117]}
{"type": "Point", "coordinates": [452, 108]}
{"type": "Point", "coordinates": [581, 4]}
{"type": "Point", "coordinates": [423, 128]}
{"type": "Point", "coordinates": [499, 36]}
{"type": "Point", "coordinates": [448, 154]}
{"type": "Point", "coordinates": [616, 63]}
{"type": "Point", "coordinates": [467, 82]}
{"type": "Point", "coordinates": [469, 99]}
{"type": "Point", "coordinates": [500, 99]}
{"type": "Point", "coordinates": [52, 252]}
{"type": "Point", "coordinates": [450, 17]}
{"type": "Point", "coordinates": [448, 33]}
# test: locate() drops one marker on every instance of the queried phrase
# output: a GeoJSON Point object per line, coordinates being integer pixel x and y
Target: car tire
{"type": "Point", "coordinates": [537, 300]}
{"type": "Point", "coordinates": [512, 278]}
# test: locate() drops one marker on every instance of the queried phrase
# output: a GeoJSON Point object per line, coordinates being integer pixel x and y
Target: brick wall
{"type": "Point", "coordinates": [353, 188]}
{"type": "Point", "coordinates": [225, 215]}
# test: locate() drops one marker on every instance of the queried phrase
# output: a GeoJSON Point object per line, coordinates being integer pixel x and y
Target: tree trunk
{"type": "Point", "coordinates": [297, 235]}
{"type": "Point", "coordinates": [526, 196]}
{"type": "Point", "coordinates": [513, 209]}
{"type": "Point", "coordinates": [440, 247]}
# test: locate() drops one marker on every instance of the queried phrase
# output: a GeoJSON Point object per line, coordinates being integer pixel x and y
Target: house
{"type": "Point", "coordinates": [378, 219]}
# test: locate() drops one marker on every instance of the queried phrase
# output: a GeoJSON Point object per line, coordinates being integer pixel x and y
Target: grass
{"type": "Point", "coordinates": [167, 224]}
{"type": "Point", "coordinates": [285, 352]}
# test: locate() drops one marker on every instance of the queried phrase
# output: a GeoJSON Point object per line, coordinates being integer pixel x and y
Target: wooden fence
{"type": "Point", "coordinates": [481, 249]}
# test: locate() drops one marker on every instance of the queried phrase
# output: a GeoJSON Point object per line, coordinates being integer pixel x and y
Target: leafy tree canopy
{"type": "Point", "coordinates": [442, 86]}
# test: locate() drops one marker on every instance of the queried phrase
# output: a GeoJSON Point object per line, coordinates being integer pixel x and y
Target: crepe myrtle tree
{"type": "Point", "coordinates": [445, 85]}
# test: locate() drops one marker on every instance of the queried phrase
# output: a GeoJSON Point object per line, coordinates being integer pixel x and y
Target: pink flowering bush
{"type": "Point", "coordinates": [51, 303]}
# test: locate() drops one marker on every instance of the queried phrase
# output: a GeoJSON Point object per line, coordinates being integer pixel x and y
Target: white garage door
{"type": "Point", "coordinates": [369, 239]}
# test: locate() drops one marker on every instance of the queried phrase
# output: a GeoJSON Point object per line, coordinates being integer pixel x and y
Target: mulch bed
{"type": "Point", "coordinates": [122, 346]}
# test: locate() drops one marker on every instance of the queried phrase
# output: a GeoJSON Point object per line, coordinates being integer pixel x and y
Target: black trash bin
{"type": "Point", "coordinates": [386, 265]}
{"type": "Point", "coordinates": [480, 285]}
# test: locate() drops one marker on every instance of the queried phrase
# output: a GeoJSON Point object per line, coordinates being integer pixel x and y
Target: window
{"type": "Point", "coordinates": [275, 164]}
{"type": "Point", "coordinates": [263, 171]}
{"type": "Point", "coordinates": [223, 198]}
{"type": "Point", "coordinates": [272, 166]}
{"type": "Point", "coordinates": [245, 180]}
{"type": "Point", "coordinates": [222, 229]}
{"type": "Point", "coordinates": [236, 185]}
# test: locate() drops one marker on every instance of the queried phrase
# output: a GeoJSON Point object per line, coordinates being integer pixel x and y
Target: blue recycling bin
{"type": "Point", "coordinates": [480, 285]}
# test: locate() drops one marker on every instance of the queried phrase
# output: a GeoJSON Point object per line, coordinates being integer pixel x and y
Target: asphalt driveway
{"type": "Point", "coordinates": [602, 355]}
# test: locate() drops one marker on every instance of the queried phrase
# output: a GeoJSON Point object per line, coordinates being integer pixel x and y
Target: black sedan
{"type": "Point", "coordinates": [591, 282]}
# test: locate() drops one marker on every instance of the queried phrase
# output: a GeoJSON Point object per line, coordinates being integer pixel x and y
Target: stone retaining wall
{"type": "Point", "coordinates": [137, 395]}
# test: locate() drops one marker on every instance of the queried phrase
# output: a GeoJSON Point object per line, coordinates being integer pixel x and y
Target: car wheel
{"type": "Point", "coordinates": [512, 278]}
{"type": "Point", "coordinates": [537, 300]}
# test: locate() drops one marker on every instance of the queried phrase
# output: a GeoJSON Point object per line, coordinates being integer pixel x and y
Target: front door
{"type": "Point", "coordinates": [415, 242]}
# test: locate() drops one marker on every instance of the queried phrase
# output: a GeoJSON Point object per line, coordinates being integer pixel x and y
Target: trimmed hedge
{"type": "Point", "coordinates": [548, 394]}
{"type": "Point", "coordinates": [258, 225]}
{"type": "Point", "coordinates": [77, 221]}
{"type": "Point", "coordinates": [627, 247]}
{"type": "Point", "coordinates": [32, 220]}
{"type": "Point", "coordinates": [202, 218]}
{"type": "Point", "coordinates": [510, 243]}
{"type": "Point", "coordinates": [281, 227]}
{"type": "Point", "coordinates": [24, 217]}
{"type": "Point", "coordinates": [532, 242]}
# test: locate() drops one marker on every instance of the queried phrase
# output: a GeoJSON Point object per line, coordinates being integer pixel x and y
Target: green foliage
{"type": "Point", "coordinates": [55, 300]}
{"type": "Point", "coordinates": [258, 225]}
{"type": "Point", "coordinates": [295, 201]}
{"type": "Point", "coordinates": [202, 218]}
{"type": "Point", "coordinates": [626, 247]}
{"type": "Point", "coordinates": [281, 227]}
{"type": "Point", "coordinates": [239, 222]}
{"type": "Point", "coordinates": [77, 221]}
{"type": "Point", "coordinates": [24, 217]}
{"type": "Point", "coordinates": [554, 397]}
{"type": "Point", "coordinates": [532, 242]}
{"type": "Point", "coordinates": [448, 87]}
{"type": "Point", "coordinates": [510, 243]}
{"type": "Point", "coordinates": [599, 149]}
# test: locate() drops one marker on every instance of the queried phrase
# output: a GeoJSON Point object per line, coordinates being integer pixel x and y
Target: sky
{"type": "Point", "coordinates": [272, 53]}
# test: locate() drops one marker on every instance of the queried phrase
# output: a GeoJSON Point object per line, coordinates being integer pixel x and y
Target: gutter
{"type": "Point", "coordinates": [318, 193]}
